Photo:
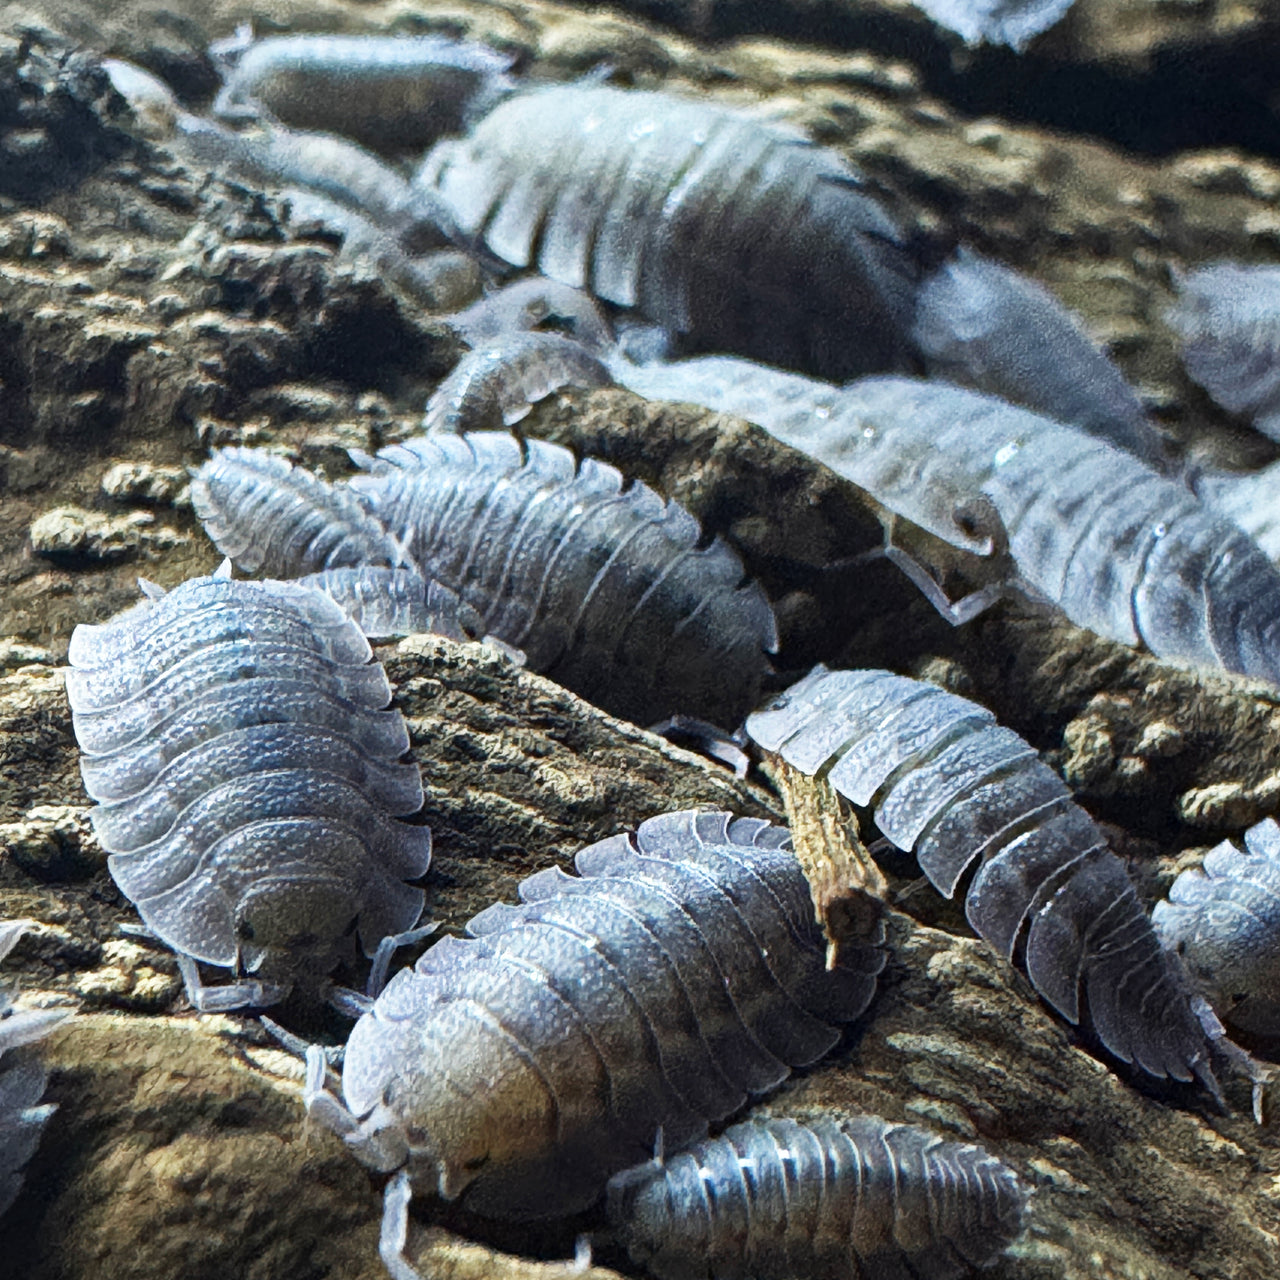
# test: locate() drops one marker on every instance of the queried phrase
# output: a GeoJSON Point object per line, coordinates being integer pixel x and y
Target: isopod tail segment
{"type": "Point", "coordinates": [944, 781]}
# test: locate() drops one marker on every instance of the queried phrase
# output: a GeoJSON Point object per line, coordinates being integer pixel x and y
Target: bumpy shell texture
{"type": "Point", "coordinates": [247, 774]}
{"type": "Point", "coordinates": [773, 1199]}
{"type": "Point", "coordinates": [608, 589]}
{"type": "Point", "coordinates": [741, 236]}
{"type": "Point", "coordinates": [22, 1077]}
{"type": "Point", "coordinates": [1224, 920]}
{"type": "Point", "coordinates": [681, 971]}
{"type": "Point", "coordinates": [944, 781]}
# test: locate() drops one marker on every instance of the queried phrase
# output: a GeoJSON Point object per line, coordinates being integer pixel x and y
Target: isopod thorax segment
{"type": "Point", "coordinates": [943, 780]}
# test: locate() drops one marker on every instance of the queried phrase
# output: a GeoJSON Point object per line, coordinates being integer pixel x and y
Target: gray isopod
{"type": "Point", "coordinates": [23, 1076]}
{"type": "Point", "coordinates": [267, 515]}
{"type": "Point", "coordinates": [851, 1200]}
{"type": "Point", "coordinates": [1228, 317]}
{"type": "Point", "coordinates": [247, 776]}
{"type": "Point", "coordinates": [989, 327]}
{"type": "Point", "coordinates": [385, 602]}
{"type": "Point", "coordinates": [1224, 920]}
{"type": "Point", "coordinates": [497, 384]}
{"type": "Point", "coordinates": [608, 589]}
{"type": "Point", "coordinates": [1012, 22]}
{"type": "Point", "coordinates": [944, 781]}
{"type": "Point", "coordinates": [739, 235]}
{"type": "Point", "coordinates": [679, 972]}
{"type": "Point", "coordinates": [1251, 499]}
{"type": "Point", "coordinates": [535, 303]}
{"type": "Point", "coordinates": [391, 93]}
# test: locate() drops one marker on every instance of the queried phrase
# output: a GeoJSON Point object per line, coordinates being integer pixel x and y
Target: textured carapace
{"type": "Point", "coordinates": [1012, 22]}
{"type": "Point", "coordinates": [944, 781]}
{"type": "Point", "coordinates": [986, 326]}
{"type": "Point", "coordinates": [1251, 499]}
{"type": "Point", "coordinates": [1119, 548]}
{"type": "Point", "coordinates": [1224, 920]}
{"type": "Point", "coordinates": [846, 1200]}
{"type": "Point", "coordinates": [679, 973]}
{"type": "Point", "coordinates": [269, 516]}
{"type": "Point", "coordinates": [22, 1076]}
{"type": "Point", "coordinates": [498, 383]}
{"type": "Point", "coordinates": [608, 589]}
{"type": "Point", "coordinates": [742, 236]}
{"type": "Point", "coordinates": [247, 776]}
{"type": "Point", "coordinates": [386, 603]}
{"type": "Point", "coordinates": [535, 304]}
{"type": "Point", "coordinates": [392, 93]}
{"type": "Point", "coordinates": [1228, 317]}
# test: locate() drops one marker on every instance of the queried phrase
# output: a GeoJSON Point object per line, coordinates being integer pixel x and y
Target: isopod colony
{"type": "Point", "coordinates": [597, 1048]}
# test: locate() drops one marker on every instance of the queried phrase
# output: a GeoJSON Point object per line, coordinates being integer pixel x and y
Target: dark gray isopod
{"type": "Point", "coordinates": [854, 1200]}
{"type": "Point", "coordinates": [680, 972]}
{"type": "Point", "coordinates": [740, 235]}
{"type": "Point", "coordinates": [22, 1076]}
{"type": "Point", "coordinates": [608, 589]}
{"type": "Point", "coordinates": [247, 776]}
{"type": "Point", "coordinates": [943, 780]}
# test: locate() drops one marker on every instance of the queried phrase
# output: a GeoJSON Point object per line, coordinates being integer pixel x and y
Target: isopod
{"type": "Point", "coordinates": [535, 303]}
{"type": "Point", "coordinates": [1228, 317]}
{"type": "Point", "coordinates": [385, 603]}
{"type": "Point", "coordinates": [1012, 22]}
{"type": "Point", "coordinates": [1251, 499]}
{"type": "Point", "coordinates": [944, 781]}
{"type": "Point", "coordinates": [1224, 920]}
{"type": "Point", "coordinates": [740, 235]}
{"type": "Point", "coordinates": [23, 1076]}
{"type": "Point", "coordinates": [983, 325]}
{"type": "Point", "coordinates": [497, 384]}
{"type": "Point", "coordinates": [773, 1199]}
{"type": "Point", "coordinates": [609, 590]}
{"type": "Point", "coordinates": [247, 778]}
{"type": "Point", "coordinates": [391, 93]}
{"type": "Point", "coordinates": [679, 972]}
{"type": "Point", "coordinates": [265, 514]}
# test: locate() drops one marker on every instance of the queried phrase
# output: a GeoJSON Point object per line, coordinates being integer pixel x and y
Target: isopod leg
{"type": "Point", "coordinates": [395, 1228]}
{"type": "Point", "coordinates": [235, 995]}
{"type": "Point", "coordinates": [387, 948]}
{"type": "Point", "coordinates": [956, 612]}
{"type": "Point", "coordinates": [1261, 1076]}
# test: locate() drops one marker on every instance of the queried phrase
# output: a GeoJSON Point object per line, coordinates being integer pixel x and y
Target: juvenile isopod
{"type": "Point", "coordinates": [1224, 920]}
{"type": "Point", "coordinates": [739, 235]}
{"type": "Point", "coordinates": [391, 93]}
{"type": "Point", "coordinates": [247, 779]}
{"type": "Point", "coordinates": [681, 971]}
{"type": "Point", "coordinates": [539, 304]}
{"type": "Point", "coordinates": [845, 1200]}
{"type": "Point", "coordinates": [986, 326]}
{"type": "Point", "coordinates": [944, 781]}
{"type": "Point", "coordinates": [609, 590]}
{"type": "Point", "coordinates": [23, 1076]}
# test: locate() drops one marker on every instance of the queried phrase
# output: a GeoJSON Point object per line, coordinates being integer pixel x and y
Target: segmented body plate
{"type": "Point", "coordinates": [773, 1199]}
{"type": "Point", "coordinates": [945, 781]}
{"type": "Point", "coordinates": [742, 236]}
{"type": "Point", "coordinates": [498, 383]}
{"type": "Point", "coordinates": [22, 1077]}
{"type": "Point", "coordinates": [535, 303]}
{"type": "Point", "coordinates": [1228, 317]}
{"type": "Point", "coordinates": [267, 515]}
{"type": "Point", "coordinates": [247, 774]}
{"type": "Point", "coordinates": [681, 971]}
{"type": "Point", "coordinates": [392, 93]}
{"type": "Point", "coordinates": [986, 326]}
{"type": "Point", "coordinates": [1251, 499]}
{"type": "Point", "coordinates": [608, 589]}
{"type": "Point", "coordinates": [1224, 920]}
{"type": "Point", "coordinates": [385, 603]}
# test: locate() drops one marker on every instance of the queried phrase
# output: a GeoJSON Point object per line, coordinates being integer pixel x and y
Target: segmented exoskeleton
{"type": "Point", "coordinates": [943, 780]}
{"type": "Point", "coordinates": [680, 972]}
{"type": "Point", "coordinates": [608, 589]}
{"type": "Point", "coordinates": [1012, 22]}
{"type": "Point", "coordinates": [1228, 317]}
{"type": "Point", "coordinates": [497, 384]}
{"type": "Point", "coordinates": [392, 93]}
{"type": "Point", "coordinates": [535, 303]}
{"type": "Point", "coordinates": [1224, 920]}
{"type": "Point", "coordinates": [1251, 499]}
{"type": "Point", "coordinates": [267, 515]}
{"type": "Point", "coordinates": [845, 1200]}
{"type": "Point", "coordinates": [247, 776]}
{"type": "Point", "coordinates": [386, 602]}
{"type": "Point", "coordinates": [986, 326]}
{"type": "Point", "coordinates": [22, 1076]}
{"type": "Point", "coordinates": [740, 235]}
